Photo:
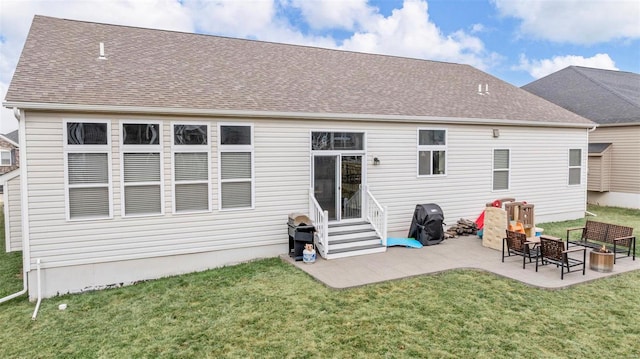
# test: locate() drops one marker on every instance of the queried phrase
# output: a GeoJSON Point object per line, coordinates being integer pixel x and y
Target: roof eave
{"type": "Point", "coordinates": [43, 106]}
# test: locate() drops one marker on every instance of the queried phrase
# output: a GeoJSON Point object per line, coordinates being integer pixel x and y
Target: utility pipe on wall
{"type": "Point", "coordinates": [35, 312]}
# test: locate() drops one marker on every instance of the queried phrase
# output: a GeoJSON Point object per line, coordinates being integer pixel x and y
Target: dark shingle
{"type": "Point", "coordinates": [598, 147]}
{"type": "Point", "coordinates": [155, 68]}
{"type": "Point", "coordinates": [603, 96]}
{"type": "Point", "coordinates": [13, 136]}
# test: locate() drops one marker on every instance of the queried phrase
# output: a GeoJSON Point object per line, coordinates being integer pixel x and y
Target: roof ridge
{"type": "Point", "coordinates": [608, 88]}
{"type": "Point", "coordinates": [316, 47]}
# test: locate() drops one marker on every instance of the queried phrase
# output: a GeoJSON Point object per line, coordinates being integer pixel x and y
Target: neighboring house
{"type": "Point", "coordinates": [150, 153]}
{"type": "Point", "coordinates": [9, 154]}
{"type": "Point", "coordinates": [612, 99]}
{"type": "Point", "coordinates": [12, 210]}
{"type": "Point", "coordinates": [10, 187]}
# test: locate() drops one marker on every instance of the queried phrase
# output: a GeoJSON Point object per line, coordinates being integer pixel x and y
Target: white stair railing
{"type": "Point", "coordinates": [352, 207]}
{"type": "Point", "coordinates": [320, 222]}
{"type": "Point", "coordinates": [376, 215]}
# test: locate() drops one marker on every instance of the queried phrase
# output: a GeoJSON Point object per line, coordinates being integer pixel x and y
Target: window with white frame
{"type": "Point", "coordinates": [5, 158]}
{"type": "Point", "coordinates": [501, 164]}
{"type": "Point", "coordinates": [87, 160]}
{"type": "Point", "coordinates": [575, 166]}
{"type": "Point", "coordinates": [235, 153]}
{"type": "Point", "coordinates": [141, 167]}
{"type": "Point", "coordinates": [432, 152]}
{"type": "Point", "coordinates": [190, 147]}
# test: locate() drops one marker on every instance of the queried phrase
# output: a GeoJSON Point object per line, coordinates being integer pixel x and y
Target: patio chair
{"type": "Point", "coordinates": [516, 243]}
{"type": "Point", "coordinates": [552, 250]}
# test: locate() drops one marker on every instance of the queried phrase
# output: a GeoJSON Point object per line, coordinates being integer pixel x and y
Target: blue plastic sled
{"type": "Point", "coordinates": [407, 242]}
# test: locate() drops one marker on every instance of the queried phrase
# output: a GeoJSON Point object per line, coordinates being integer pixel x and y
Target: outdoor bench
{"type": "Point", "coordinates": [615, 237]}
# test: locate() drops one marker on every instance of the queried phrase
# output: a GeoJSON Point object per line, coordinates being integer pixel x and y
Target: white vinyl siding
{"type": "Point", "coordinates": [501, 165]}
{"type": "Point", "coordinates": [13, 215]}
{"type": "Point", "coordinates": [87, 160]}
{"type": "Point", "coordinates": [190, 155]}
{"type": "Point", "coordinates": [141, 166]}
{"type": "Point", "coordinates": [432, 152]}
{"type": "Point", "coordinates": [575, 166]}
{"type": "Point", "coordinates": [114, 250]}
{"type": "Point", "coordinates": [235, 153]}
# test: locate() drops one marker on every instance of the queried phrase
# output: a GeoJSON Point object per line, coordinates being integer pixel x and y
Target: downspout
{"type": "Point", "coordinates": [35, 312]}
{"type": "Point", "coordinates": [25, 287]}
{"type": "Point", "coordinates": [585, 205]}
{"type": "Point", "coordinates": [23, 291]}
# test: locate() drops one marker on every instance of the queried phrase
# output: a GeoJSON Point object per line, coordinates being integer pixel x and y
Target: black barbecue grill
{"type": "Point", "coordinates": [301, 232]}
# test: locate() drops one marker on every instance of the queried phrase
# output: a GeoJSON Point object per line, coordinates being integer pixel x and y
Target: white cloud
{"type": "Point", "coordinates": [575, 21]}
{"type": "Point", "coordinates": [544, 67]}
{"type": "Point", "coordinates": [232, 18]}
{"type": "Point", "coordinates": [260, 20]}
{"type": "Point", "coordinates": [476, 28]}
{"type": "Point", "coordinates": [344, 14]}
{"type": "Point", "coordinates": [409, 32]}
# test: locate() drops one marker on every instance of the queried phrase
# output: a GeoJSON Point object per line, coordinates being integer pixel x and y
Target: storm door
{"type": "Point", "coordinates": [338, 173]}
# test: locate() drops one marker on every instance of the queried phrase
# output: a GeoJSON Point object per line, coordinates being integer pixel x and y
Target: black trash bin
{"type": "Point", "coordinates": [301, 232]}
{"type": "Point", "coordinates": [427, 224]}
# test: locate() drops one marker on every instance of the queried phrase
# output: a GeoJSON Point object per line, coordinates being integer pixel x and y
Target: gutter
{"type": "Point", "coordinates": [42, 106]}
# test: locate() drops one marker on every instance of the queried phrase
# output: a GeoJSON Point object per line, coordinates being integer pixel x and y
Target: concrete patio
{"type": "Point", "coordinates": [462, 252]}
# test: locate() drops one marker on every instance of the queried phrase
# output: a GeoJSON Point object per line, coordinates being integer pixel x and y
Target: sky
{"type": "Point", "coordinates": [517, 41]}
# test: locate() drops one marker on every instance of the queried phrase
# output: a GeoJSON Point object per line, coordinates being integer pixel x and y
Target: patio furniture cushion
{"type": "Point", "coordinates": [407, 242]}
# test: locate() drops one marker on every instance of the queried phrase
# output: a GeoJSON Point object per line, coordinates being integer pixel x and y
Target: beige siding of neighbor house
{"type": "Point", "coordinates": [13, 217]}
{"type": "Point", "coordinates": [282, 180]}
{"type": "Point", "coordinates": [599, 172]}
{"type": "Point", "coordinates": [624, 171]}
{"type": "Point", "coordinates": [625, 156]}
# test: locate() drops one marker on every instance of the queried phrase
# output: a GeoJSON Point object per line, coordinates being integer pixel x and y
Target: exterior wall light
{"type": "Point", "coordinates": [376, 161]}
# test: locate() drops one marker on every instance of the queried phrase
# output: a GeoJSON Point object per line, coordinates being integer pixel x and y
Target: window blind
{"type": "Point", "coordinates": [236, 194]}
{"type": "Point", "coordinates": [191, 166]}
{"type": "Point", "coordinates": [235, 165]}
{"type": "Point", "coordinates": [143, 199]}
{"type": "Point", "coordinates": [86, 168]}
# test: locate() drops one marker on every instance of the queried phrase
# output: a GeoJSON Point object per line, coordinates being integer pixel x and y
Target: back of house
{"type": "Point", "coordinates": [147, 153]}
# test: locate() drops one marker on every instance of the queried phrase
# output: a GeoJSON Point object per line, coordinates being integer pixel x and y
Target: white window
{"type": "Point", "coordinates": [235, 153]}
{"type": "Point", "coordinates": [87, 162]}
{"type": "Point", "coordinates": [5, 158]}
{"type": "Point", "coordinates": [501, 164]}
{"type": "Point", "coordinates": [575, 166]}
{"type": "Point", "coordinates": [141, 168]}
{"type": "Point", "coordinates": [432, 152]}
{"type": "Point", "coordinates": [190, 155]}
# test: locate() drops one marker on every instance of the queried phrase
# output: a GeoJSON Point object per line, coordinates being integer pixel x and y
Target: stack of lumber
{"type": "Point", "coordinates": [462, 228]}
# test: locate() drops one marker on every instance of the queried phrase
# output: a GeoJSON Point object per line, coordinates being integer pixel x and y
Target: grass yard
{"type": "Point", "coordinates": [269, 309]}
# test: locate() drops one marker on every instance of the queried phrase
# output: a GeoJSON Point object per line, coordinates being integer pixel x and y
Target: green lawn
{"type": "Point", "coordinates": [269, 309]}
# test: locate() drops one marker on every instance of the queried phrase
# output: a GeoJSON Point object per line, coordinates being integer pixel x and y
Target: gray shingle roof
{"type": "Point", "coordinates": [165, 69]}
{"type": "Point", "coordinates": [603, 96]}
{"type": "Point", "coordinates": [598, 147]}
{"type": "Point", "coordinates": [13, 136]}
